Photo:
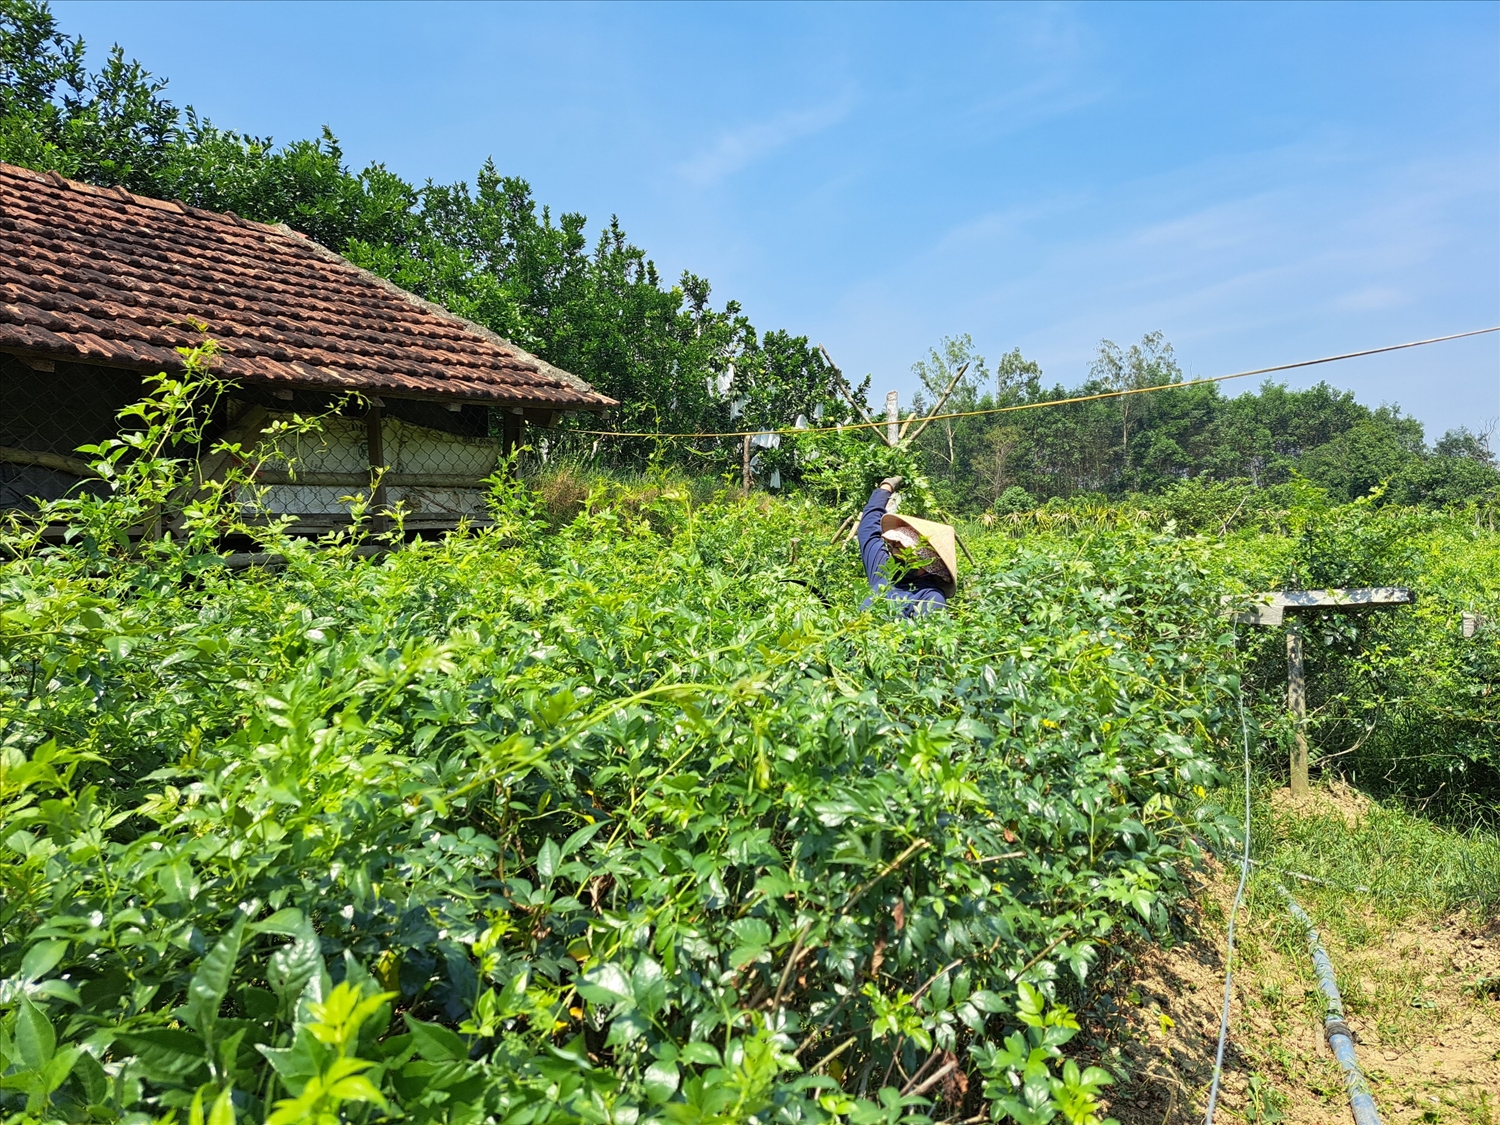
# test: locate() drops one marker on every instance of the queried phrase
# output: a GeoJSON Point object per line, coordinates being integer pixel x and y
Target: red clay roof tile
{"type": "Point", "coordinates": [104, 276]}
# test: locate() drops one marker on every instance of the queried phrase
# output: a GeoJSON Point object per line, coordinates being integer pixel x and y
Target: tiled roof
{"type": "Point", "coordinates": [102, 276]}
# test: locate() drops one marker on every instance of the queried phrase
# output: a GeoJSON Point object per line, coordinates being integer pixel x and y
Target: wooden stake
{"type": "Point", "coordinates": [745, 465]}
{"type": "Point", "coordinates": [892, 418]}
{"type": "Point", "coordinates": [1296, 699]}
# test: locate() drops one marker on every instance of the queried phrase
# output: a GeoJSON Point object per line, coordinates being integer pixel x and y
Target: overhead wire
{"type": "Point", "coordinates": [877, 423]}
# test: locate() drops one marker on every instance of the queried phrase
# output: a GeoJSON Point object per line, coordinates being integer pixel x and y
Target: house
{"type": "Point", "coordinates": [99, 287]}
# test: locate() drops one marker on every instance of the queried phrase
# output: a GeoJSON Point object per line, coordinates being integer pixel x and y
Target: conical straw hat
{"type": "Point", "coordinates": [939, 536]}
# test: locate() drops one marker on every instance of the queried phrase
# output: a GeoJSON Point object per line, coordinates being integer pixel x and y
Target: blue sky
{"type": "Point", "coordinates": [1262, 183]}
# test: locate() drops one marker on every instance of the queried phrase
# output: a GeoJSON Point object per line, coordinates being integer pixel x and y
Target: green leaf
{"type": "Point", "coordinates": [434, 1042]}
{"type": "Point", "coordinates": [298, 1064]}
{"type": "Point", "coordinates": [744, 955]}
{"type": "Point", "coordinates": [293, 965]}
{"type": "Point", "coordinates": [40, 959]}
{"type": "Point", "coordinates": [751, 931]}
{"type": "Point", "coordinates": [257, 1003]}
{"type": "Point", "coordinates": [210, 983]}
{"type": "Point", "coordinates": [606, 984]}
{"type": "Point", "coordinates": [512, 997]}
{"type": "Point", "coordinates": [987, 1001]}
{"type": "Point", "coordinates": [581, 837]}
{"type": "Point", "coordinates": [35, 1039]}
{"type": "Point", "coordinates": [661, 1080]}
{"type": "Point", "coordinates": [701, 1053]}
{"type": "Point", "coordinates": [287, 923]}
{"type": "Point", "coordinates": [176, 881]}
{"type": "Point", "coordinates": [91, 1078]}
{"type": "Point", "coordinates": [58, 1067]}
{"type": "Point", "coordinates": [649, 986]}
{"type": "Point", "coordinates": [547, 860]}
{"type": "Point", "coordinates": [220, 1113]}
{"type": "Point", "coordinates": [166, 1054]}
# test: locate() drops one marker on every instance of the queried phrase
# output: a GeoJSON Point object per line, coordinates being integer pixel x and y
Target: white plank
{"type": "Point", "coordinates": [1270, 606]}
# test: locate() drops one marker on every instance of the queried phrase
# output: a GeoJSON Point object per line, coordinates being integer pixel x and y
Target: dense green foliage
{"type": "Point", "coordinates": [606, 823]}
{"type": "Point", "coordinates": [609, 812]}
{"type": "Point", "coordinates": [599, 307]}
{"type": "Point", "coordinates": [1148, 444]}
{"type": "Point", "coordinates": [619, 809]}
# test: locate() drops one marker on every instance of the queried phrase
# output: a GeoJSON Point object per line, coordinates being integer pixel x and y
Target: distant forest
{"type": "Point", "coordinates": [596, 305]}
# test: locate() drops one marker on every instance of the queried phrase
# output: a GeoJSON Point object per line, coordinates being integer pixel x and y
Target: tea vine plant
{"type": "Point", "coordinates": [607, 824]}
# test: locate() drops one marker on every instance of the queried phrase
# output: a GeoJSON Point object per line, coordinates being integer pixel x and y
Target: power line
{"type": "Point", "coordinates": [1041, 405]}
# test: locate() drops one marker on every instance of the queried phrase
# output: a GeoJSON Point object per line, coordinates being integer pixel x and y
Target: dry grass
{"type": "Point", "coordinates": [1417, 958]}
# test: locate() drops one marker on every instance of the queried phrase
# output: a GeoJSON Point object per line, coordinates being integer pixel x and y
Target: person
{"type": "Point", "coordinates": [906, 559]}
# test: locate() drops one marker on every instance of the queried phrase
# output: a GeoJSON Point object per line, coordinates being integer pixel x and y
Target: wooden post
{"type": "Point", "coordinates": [745, 465]}
{"type": "Point", "coordinates": [1296, 699]}
{"type": "Point", "coordinates": [512, 432]}
{"type": "Point", "coordinates": [1276, 607]}
{"type": "Point", "coordinates": [892, 418]}
{"type": "Point", "coordinates": [375, 443]}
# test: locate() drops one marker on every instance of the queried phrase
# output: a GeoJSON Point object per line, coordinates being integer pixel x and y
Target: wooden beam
{"type": "Point", "coordinates": [239, 560]}
{"type": "Point", "coordinates": [1259, 615]}
{"type": "Point", "coordinates": [844, 389]}
{"type": "Point", "coordinates": [1268, 607]}
{"type": "Point", "coordinates": [245, 431]}
{"type": "Point", "coordinates": [362, 480]}
{"type": "Point", "coordinates": [512, 429]}
{"type": "Point", "coordinates": [73, 465]}
{"type": "Point", "coordinates": [937, 407]}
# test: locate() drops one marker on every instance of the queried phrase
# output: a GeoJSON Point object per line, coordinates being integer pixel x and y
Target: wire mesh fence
{"type": "Point", "coordinates": [304, 452]}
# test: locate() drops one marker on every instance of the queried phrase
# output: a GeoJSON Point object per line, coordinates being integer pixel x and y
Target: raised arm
{"type": "Point", "coordinates": [872, 549]}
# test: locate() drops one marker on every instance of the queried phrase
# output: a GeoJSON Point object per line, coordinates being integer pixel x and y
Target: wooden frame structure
{"type": "Point", "coordinates": [1273, 607]}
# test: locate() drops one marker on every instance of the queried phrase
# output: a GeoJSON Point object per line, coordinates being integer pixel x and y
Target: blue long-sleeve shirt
{"type": "Point", "coordinates": [921, 594]}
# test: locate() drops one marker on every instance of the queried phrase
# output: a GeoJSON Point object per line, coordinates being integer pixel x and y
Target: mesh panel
{"type": "Point", "coordinates": [47, 411]}
{"type": "Point", "coordinates": [434, 471]}
{"type": "Point", "coordinates": [437, 457]}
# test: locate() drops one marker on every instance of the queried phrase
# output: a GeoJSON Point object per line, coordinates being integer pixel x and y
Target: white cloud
{"type": "Point", "coordinates": [741, 147]}
{"type": "Point", "coordinates": [1370, 297]}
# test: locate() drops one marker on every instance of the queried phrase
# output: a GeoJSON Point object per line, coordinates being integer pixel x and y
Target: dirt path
{"type": "Point", "coordinates": [1423, 999]}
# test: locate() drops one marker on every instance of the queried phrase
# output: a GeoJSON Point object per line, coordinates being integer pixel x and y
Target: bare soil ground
{"type": "Point", "coordinates": [1422, 996]}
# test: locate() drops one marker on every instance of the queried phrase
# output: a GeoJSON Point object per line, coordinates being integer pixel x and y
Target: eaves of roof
{"type": "Point", "coordinates": [99, 275]}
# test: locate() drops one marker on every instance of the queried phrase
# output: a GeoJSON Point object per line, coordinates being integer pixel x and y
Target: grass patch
{"type": "Point", "coordinates": [1414, 954]}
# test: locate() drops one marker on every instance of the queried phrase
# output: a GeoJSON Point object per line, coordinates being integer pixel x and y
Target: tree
{"type": "Point", "coordinates": [995, 464]}
{"type": "Point", "coordinates": [1017, 379]}
{"type": "Point", "coordinates": [951, 376]}
{"type": "Point", "coordinates": [1150, 363]}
